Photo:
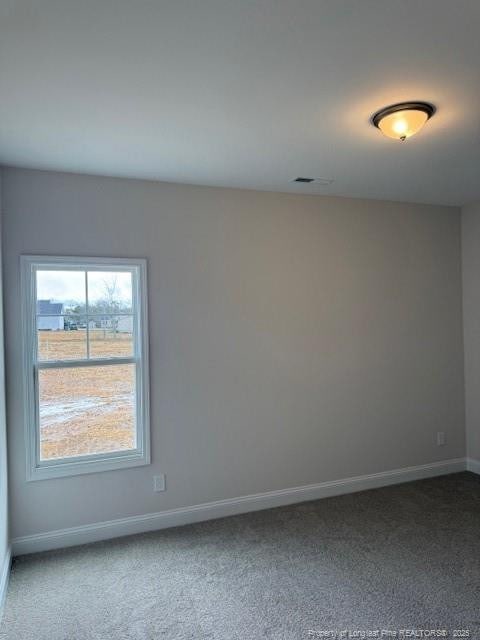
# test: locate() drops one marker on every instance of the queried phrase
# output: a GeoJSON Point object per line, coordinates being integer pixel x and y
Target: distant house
{"type": "Point", "coordinates": [52, 320]}
{"type": "Point", "coordinates": [122, 324]}
{"type": "Point", "coordinates": [125, 324]}
{"type": "Point", "coordinates": [100, 323]}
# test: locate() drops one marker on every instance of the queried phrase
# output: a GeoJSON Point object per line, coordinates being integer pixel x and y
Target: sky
{"type": "Point", "coordinates": [61, 286]}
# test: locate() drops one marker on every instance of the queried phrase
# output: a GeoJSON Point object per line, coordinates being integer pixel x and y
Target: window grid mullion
{"type": "Point", "coordinates": [93, 362]}
{"type": "Point", "coordinates": [81, 315]}
{"type": "Point", "coordinates": [87, 318]}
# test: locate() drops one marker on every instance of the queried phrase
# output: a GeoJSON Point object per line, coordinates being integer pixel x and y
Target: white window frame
{"type": "Point", "coordinates": [45, 469]}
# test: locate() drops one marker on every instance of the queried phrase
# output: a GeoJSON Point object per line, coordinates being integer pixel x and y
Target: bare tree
{"type": "Point", "coordinates": [111, 301]}
{"type": "Point", "coordinates": [112, 294]}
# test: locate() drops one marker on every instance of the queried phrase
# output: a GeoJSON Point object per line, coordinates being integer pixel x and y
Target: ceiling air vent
{"type": "Point", "coordinates": [323, 181]}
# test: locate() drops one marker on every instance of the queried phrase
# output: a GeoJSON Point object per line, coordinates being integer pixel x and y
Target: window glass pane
{"type": "Point", "coordinates": [60, 292]}
{"type": "Point", "coordinates": [86, 410]}
{"type": "Point", "coordinates": [109, 292]}
{"type": "Point", "coordinates": [61, 337]}
{"type": "Point", "coordinates": [110, 336]}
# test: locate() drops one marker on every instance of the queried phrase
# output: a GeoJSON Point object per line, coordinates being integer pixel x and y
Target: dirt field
{"type": "Point", "coordinates": [85, 409]}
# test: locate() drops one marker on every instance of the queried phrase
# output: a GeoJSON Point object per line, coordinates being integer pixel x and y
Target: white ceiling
{"type": "Point", "coordinates": [244, 93]}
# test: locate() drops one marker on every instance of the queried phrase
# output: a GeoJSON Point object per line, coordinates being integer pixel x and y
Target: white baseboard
{"type": "Point", "coordinates": [4, 576]}
{"type": "Point", "coordinates": [229, 507]}
{"type": "Point", "coordinates": [473, 465]}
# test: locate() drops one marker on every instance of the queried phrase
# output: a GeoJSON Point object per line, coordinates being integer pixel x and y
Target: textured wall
{"type": "Point", "coordinates": [471, 314]}
{"type": "Point", "coordinates": [294, 339]}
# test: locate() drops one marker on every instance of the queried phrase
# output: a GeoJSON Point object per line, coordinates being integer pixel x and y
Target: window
{"type": "Point", "coordinates": [86, 369]}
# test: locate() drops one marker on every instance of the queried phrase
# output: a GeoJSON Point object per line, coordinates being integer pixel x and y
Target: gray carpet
{"type": "Point", "coordinates": [403, 557]}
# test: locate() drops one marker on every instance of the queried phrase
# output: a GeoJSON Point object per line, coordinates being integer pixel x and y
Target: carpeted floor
{"type": "Point", "coordinates": [403, 557]}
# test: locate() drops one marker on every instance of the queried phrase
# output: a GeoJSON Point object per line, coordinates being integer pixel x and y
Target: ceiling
{"type": "Point", "coordinates": [245, 93]}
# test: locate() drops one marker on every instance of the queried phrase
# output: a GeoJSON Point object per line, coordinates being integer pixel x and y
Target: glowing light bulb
{"type": "Point", "coordinates": [400, 127]}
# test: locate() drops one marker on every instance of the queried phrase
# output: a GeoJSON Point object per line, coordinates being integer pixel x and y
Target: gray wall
{"type": "Point", "coordinates": [471, 314]}
{"type": "Point", "coordinates": [4, 542]}
{"type": "Point", "coordinates": [294, 339]}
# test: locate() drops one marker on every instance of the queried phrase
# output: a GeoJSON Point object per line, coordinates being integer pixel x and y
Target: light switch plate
{"type": "Point", "coordinates": [159, 482]}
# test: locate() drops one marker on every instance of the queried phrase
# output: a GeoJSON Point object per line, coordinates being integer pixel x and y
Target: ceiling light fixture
{"type": "Point", "coordinates": [400, 121]}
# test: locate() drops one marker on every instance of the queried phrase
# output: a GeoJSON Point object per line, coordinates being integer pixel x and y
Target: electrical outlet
{"type": "Point", "coordinates": [159, 482]}
{"type": "Point", "coordinates": [440, 438]}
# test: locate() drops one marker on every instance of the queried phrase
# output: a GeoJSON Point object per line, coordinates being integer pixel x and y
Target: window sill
{"type": "Point", "coordinates": [87, 464]}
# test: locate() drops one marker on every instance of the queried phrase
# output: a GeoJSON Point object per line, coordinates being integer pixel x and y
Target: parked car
{"type": "Point", "coordinates": [70, 325]}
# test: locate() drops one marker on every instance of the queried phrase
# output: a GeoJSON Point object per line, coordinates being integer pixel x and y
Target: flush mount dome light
{"type": "Point", "coordinates": [400, 121]}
